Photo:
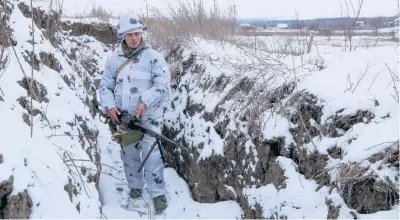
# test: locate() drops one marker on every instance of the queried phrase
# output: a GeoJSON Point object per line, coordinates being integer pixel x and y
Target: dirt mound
{"type": "Point", "coordinates": [222, 178]}
{"type": "Point", "coordinates": [104, 33]}
{"type": "Point", "coordinates": [52, 24]}
{"type": "Point", "coordinates": [364, 191]}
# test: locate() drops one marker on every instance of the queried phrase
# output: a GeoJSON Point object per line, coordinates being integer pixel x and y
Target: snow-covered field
{"type": "Point", "coordinates": [49, 165]}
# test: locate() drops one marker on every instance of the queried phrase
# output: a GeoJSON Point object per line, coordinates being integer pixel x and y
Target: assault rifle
{"type": "Point", "coordinates": [131, 122]}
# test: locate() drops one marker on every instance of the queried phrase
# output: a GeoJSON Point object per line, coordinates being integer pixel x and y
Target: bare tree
{"type": "Point", "coordinates": [350, 14]}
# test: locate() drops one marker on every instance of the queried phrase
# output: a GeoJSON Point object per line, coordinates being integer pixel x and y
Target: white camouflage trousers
{"type": "Point", "coordinates": [153, 169]}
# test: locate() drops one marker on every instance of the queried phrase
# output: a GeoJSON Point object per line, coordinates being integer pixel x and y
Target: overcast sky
{"type": "Point", "coordinates": [246, 8]}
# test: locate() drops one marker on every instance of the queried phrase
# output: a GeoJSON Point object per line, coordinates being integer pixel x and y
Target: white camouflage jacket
{"type": "Point", "coordinates": [146, 78]}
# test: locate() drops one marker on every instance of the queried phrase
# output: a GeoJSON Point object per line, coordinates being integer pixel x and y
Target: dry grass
{"type": "Point", "coordinates": [389, 156]}
{"type": "Point", "coordinates": [5, 34]}
{"type": "Point", "coordinates": [101, 13]}
{"type": "Point", "coordinates": [187, 19]}
{"type": "Point", "coordinates": [98, 12]}
{"type": "Point", "coordinates": [366, 191]}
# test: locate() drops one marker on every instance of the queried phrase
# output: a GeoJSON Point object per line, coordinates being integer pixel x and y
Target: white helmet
{"type": "Point", "coordinates": [129, 24]}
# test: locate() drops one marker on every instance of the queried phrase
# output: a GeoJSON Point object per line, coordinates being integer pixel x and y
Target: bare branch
{"type": "Point", "coordinates": [32, 60]}
{"type": "Point", "coordinates": [350, 20]}
{"type": "Point", "coordinates": [84, 185]}
{"type": "Point", "coordinates": [395, 80]}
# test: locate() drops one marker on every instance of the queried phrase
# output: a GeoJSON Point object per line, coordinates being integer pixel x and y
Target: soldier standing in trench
{"type": "Point", "coordinates": [140, 88]}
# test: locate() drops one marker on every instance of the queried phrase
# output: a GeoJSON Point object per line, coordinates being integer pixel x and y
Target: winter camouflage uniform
{"type": "Point", "coordinates": [146, 79]}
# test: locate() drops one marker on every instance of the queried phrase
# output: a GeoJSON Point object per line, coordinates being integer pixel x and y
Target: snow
{"type": "Point", "coordinates": [181, 205]}
{"type": "Point", "coordinates": [37, 163]}
{"type": "Point", "coordinates": [299, 199]}
{"type": "Point", "coordinates": [45, 173]}
{"type": "Point", "coordinates": [276, 126]}
{"type": "Point", "coordinates": [365, 81]}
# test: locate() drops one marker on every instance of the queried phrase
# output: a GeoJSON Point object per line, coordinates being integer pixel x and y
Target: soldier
{"type": "Point", "coordinates": [136, 78]}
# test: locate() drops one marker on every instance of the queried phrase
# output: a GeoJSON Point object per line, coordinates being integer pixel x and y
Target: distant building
{"type": "Point", "coordinates": [360, 24]}
{"type": "Point", "coordinates": [388, 24]}
{"type": "Point", "coordinates": [396, 22]}
{"type": "Point", "coordinates": [247, 27]}
{"type": "Point", "coordinates": [393, 23]}
{"type": "Point", "coordinates": [282, 26]}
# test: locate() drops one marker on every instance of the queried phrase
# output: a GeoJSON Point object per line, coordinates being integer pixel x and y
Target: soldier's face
{"type": "Point", "coordinates": [133, 39]}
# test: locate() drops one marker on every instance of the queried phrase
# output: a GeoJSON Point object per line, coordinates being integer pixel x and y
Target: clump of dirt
{"type": "Point", "coordinates": [244, 85]}
{"type": "Point", "coordinates": [193, 108]}
{"type": "Point", "coordinates": [313, 166]}
{"type": "Point", "coordinates": [35, 89]}
{"type": "Point", "coordinates": [220, 83]}
{"type": "Point", "coordinates": [333, 211]}
{"type": "Point", "coordinates": [5, 30]}
{"type": "Point", "coordinates": [50, 61]}
{"type": "Point", "coordinates": [19, 206]}
{"type": "Point", "coordinates": [267, 170]}
{"type": "Point", "coordinates": [28, 58]}
{"type": "Point", "coordinates": [303, 108]}
{"type": "Point", "coordinates": [174, 57]}
{"type": "Point", "coordinates": [90, 65]}
{"type": "Point", "coordinates": [15, 206]}
{"type": "Point", "coordinates": [89, 134]}
{"type": "Point", "coordinates": [335, 152]}
{"type": "Point", "coordinates": [221, 127]}
{"type": "Point", "coordinates": [363, 191]}
{"type": "Point", "coordinates": [337, 124]}
{"type": "Point", "coordinates": [388, 156]}
{"type": "Point", "coordinates": [69, 81]}
{"type": "Point", "coordinates": [71, 190]}
{"type": "Point", "coordinates": [276, 96]}
{"type": "Point", "coordinates": [25, 104]}
{"type": "Point", "coordinates": [50, 22]}
{"type": "Point", "coordinates": [26, 119]}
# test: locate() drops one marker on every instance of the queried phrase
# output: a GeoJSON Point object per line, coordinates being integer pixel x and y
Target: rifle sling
{"type": "Point", "coordinates": [122, 66]}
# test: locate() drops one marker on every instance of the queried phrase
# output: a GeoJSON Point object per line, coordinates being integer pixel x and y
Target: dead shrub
{"type": "Point", "coordinates": [389, 156]}
{"type": "Point", "coordinates": [186, 20]}
{"type": "Point", "coordinates": [5, 35]}
{"type": "Point", "coordinates": [5, 30]}
{"type": "Point", "coordinates": [100, 13]}
{"type": "Point", "coordinates": [363, 191]}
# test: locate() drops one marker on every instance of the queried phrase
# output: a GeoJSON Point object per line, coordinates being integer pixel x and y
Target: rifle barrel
{"type": "Point", "coordinates": [155, 134]}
